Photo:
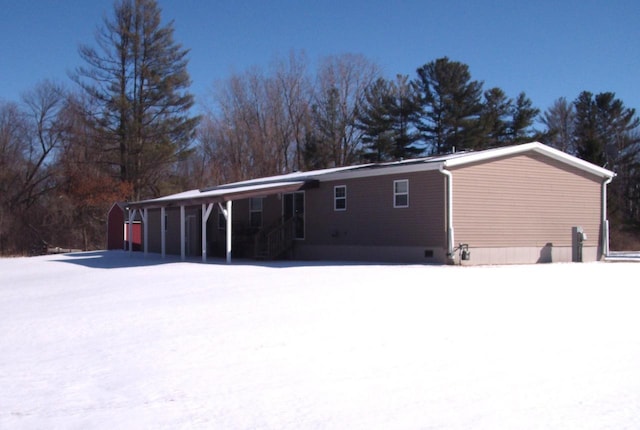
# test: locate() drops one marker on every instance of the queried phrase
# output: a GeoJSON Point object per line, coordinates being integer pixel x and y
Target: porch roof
{"type": "Point", "coordinates": [225, 193]}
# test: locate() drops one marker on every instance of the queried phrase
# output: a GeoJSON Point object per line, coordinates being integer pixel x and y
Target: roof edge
{"type": "Point", "coordinates": [528, 147]}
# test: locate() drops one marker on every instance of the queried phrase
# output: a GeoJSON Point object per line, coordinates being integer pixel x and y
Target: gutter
{"type": "Point", "coordinates": [605, 221]}
{"type": "Point", "coordinates": [449, 175]}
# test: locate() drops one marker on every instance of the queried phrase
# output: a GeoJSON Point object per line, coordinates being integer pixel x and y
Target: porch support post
{"type": "Point", "coordinates": [132, 215]}
{"type": "Point", "coordinates": [229, 233]}
{"type": "Point", "coordinates": [228, 217]}
{"type": "Point", "coordinates": [145, 226]}
{"type": "Point", "coordinates": [182, 234]}
{"type": "Point", "coordinates": [206, 211]}
{"type": "Point", "coordinates": [163, 232]}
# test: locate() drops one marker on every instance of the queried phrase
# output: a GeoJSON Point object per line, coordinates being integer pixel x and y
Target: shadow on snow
{"type": "Point", "coordinates": [124, 259]}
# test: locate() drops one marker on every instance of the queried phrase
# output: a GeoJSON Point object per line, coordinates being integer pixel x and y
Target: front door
{"type": "Point", "coordinates": [293, 206]}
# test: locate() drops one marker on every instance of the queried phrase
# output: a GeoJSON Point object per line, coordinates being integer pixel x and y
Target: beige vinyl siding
{"type": "Point", "coordinates": [371, 219]}
{"type": "Point", "coordinates": [524, 200]}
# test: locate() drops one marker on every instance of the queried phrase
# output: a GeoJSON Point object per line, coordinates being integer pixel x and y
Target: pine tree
{"type": "Point", "coordinates": [376, 122]}
{"type": "Point", "coordinates": [494, 117]}
{"type": "Point", "coordinates": [607, 134]}
{"type": "Point", "coordinates": [589, 144]}
{"type": "Point", "coordinates": [522, 116]}
{"type": "Point", "coordinates": [326, 146]}
{"type": "Point", "coordinates": [560, 121]}
{"type": "Point", "coordinates": [137, 81]}
{"type": "Point", "coordinates": [385, 120]}
{"type": "Point", "coordinates": [451, 105]}
{"type": "Point", "coordinates": [404, 109]}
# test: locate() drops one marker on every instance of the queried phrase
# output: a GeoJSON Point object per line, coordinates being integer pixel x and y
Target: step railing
{"type": "Point", "coordinates": [273, 243]}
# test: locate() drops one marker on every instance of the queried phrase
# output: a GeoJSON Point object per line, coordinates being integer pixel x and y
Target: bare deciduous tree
{"type": "Point", "coordinates": [340, 91]}
{"type": "Point", "coordinates": [29, 137]}
{"type": "Point", "coordinates": [294, 86]}
{"type": "Point", "coordinates": [559, 120]}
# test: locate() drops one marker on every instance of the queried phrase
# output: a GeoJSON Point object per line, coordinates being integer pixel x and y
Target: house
{"type": "Point", "coordinates": [519, 204]}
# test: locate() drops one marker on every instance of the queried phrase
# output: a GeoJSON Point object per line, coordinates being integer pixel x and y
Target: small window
{"type": "Point", "coordinates": [255, 212]}
{"type": "Point", "coordinates": [340, 198]}
{"type": "Point", "coordinates": [166, 222]}
{"type": "Point", "coordinates": [401, 193]}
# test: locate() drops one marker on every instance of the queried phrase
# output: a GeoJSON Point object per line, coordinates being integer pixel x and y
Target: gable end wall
{"type": "Point", "coordinates": [527, 200]}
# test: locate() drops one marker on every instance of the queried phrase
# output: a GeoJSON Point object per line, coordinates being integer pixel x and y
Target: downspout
{"type": "Point", "coordinates": [449, 176]}
{"type": "Point", "coordinates": [605, 221]}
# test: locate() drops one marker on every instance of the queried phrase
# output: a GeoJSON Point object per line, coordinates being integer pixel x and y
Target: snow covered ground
{"type": "Point", "coordinates": [107, 341]}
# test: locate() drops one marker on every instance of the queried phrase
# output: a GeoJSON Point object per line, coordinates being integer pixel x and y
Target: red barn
{"type": "Point", "coordinates": [117, 229]}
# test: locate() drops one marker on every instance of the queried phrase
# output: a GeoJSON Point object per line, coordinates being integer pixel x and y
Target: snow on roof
{"type": "Point", "coordinates": [472, 157]}
{"type": "Point", "coordinates": [225, 192]}
{"type": "Point", "coordinates": [294, 176]}
{"type": "Point", "coordinates": [288, 182]}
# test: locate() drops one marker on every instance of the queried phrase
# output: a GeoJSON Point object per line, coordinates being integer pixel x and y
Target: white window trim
{"type": "Point", "coordinates": [336, 198]}
{"type": "Point", "coordinates": [396, 194]}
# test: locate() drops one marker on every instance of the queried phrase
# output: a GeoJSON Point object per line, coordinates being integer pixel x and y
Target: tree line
{"type": "Point", "coordinates": [124, 128]}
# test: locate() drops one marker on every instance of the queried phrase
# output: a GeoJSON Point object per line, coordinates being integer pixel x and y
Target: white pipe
{"type": "Point", "coordinates": [605, 221]}
{"type": "Point", "coordinates": [450, 237]}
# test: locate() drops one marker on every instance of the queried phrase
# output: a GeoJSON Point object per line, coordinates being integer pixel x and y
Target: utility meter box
{"type": "Point", "coordinates": [578, 237]}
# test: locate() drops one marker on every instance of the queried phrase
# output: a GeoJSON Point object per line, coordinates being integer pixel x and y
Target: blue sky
{"type": "Point", "coordinates": [546, 48]}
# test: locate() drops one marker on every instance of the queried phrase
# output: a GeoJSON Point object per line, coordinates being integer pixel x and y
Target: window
{"type": "Point", "coordinates": [340, 198]}
{"type": "Point", "coordinates": [255, 212]}
{"type": "Point", "coordinates": [401, 193]}
{"type": "Point", "coordinates": [166, 222]}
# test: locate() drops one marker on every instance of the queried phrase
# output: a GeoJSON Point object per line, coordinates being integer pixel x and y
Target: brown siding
{"type": "Point", "coordinates": [271, 211]}
{"type": "Point", "coordinates": [524, 200]}
{"type": "Point", "coordinates": [371, 219]}
{"type": "Point", "coordinates": [154, 231]}
{"type": "Point", "coordinates": [173, 231]}
{"type": "Point", "coordinates": [216, 236]}
{"type": "Point", "coordinates": [242, 233]}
